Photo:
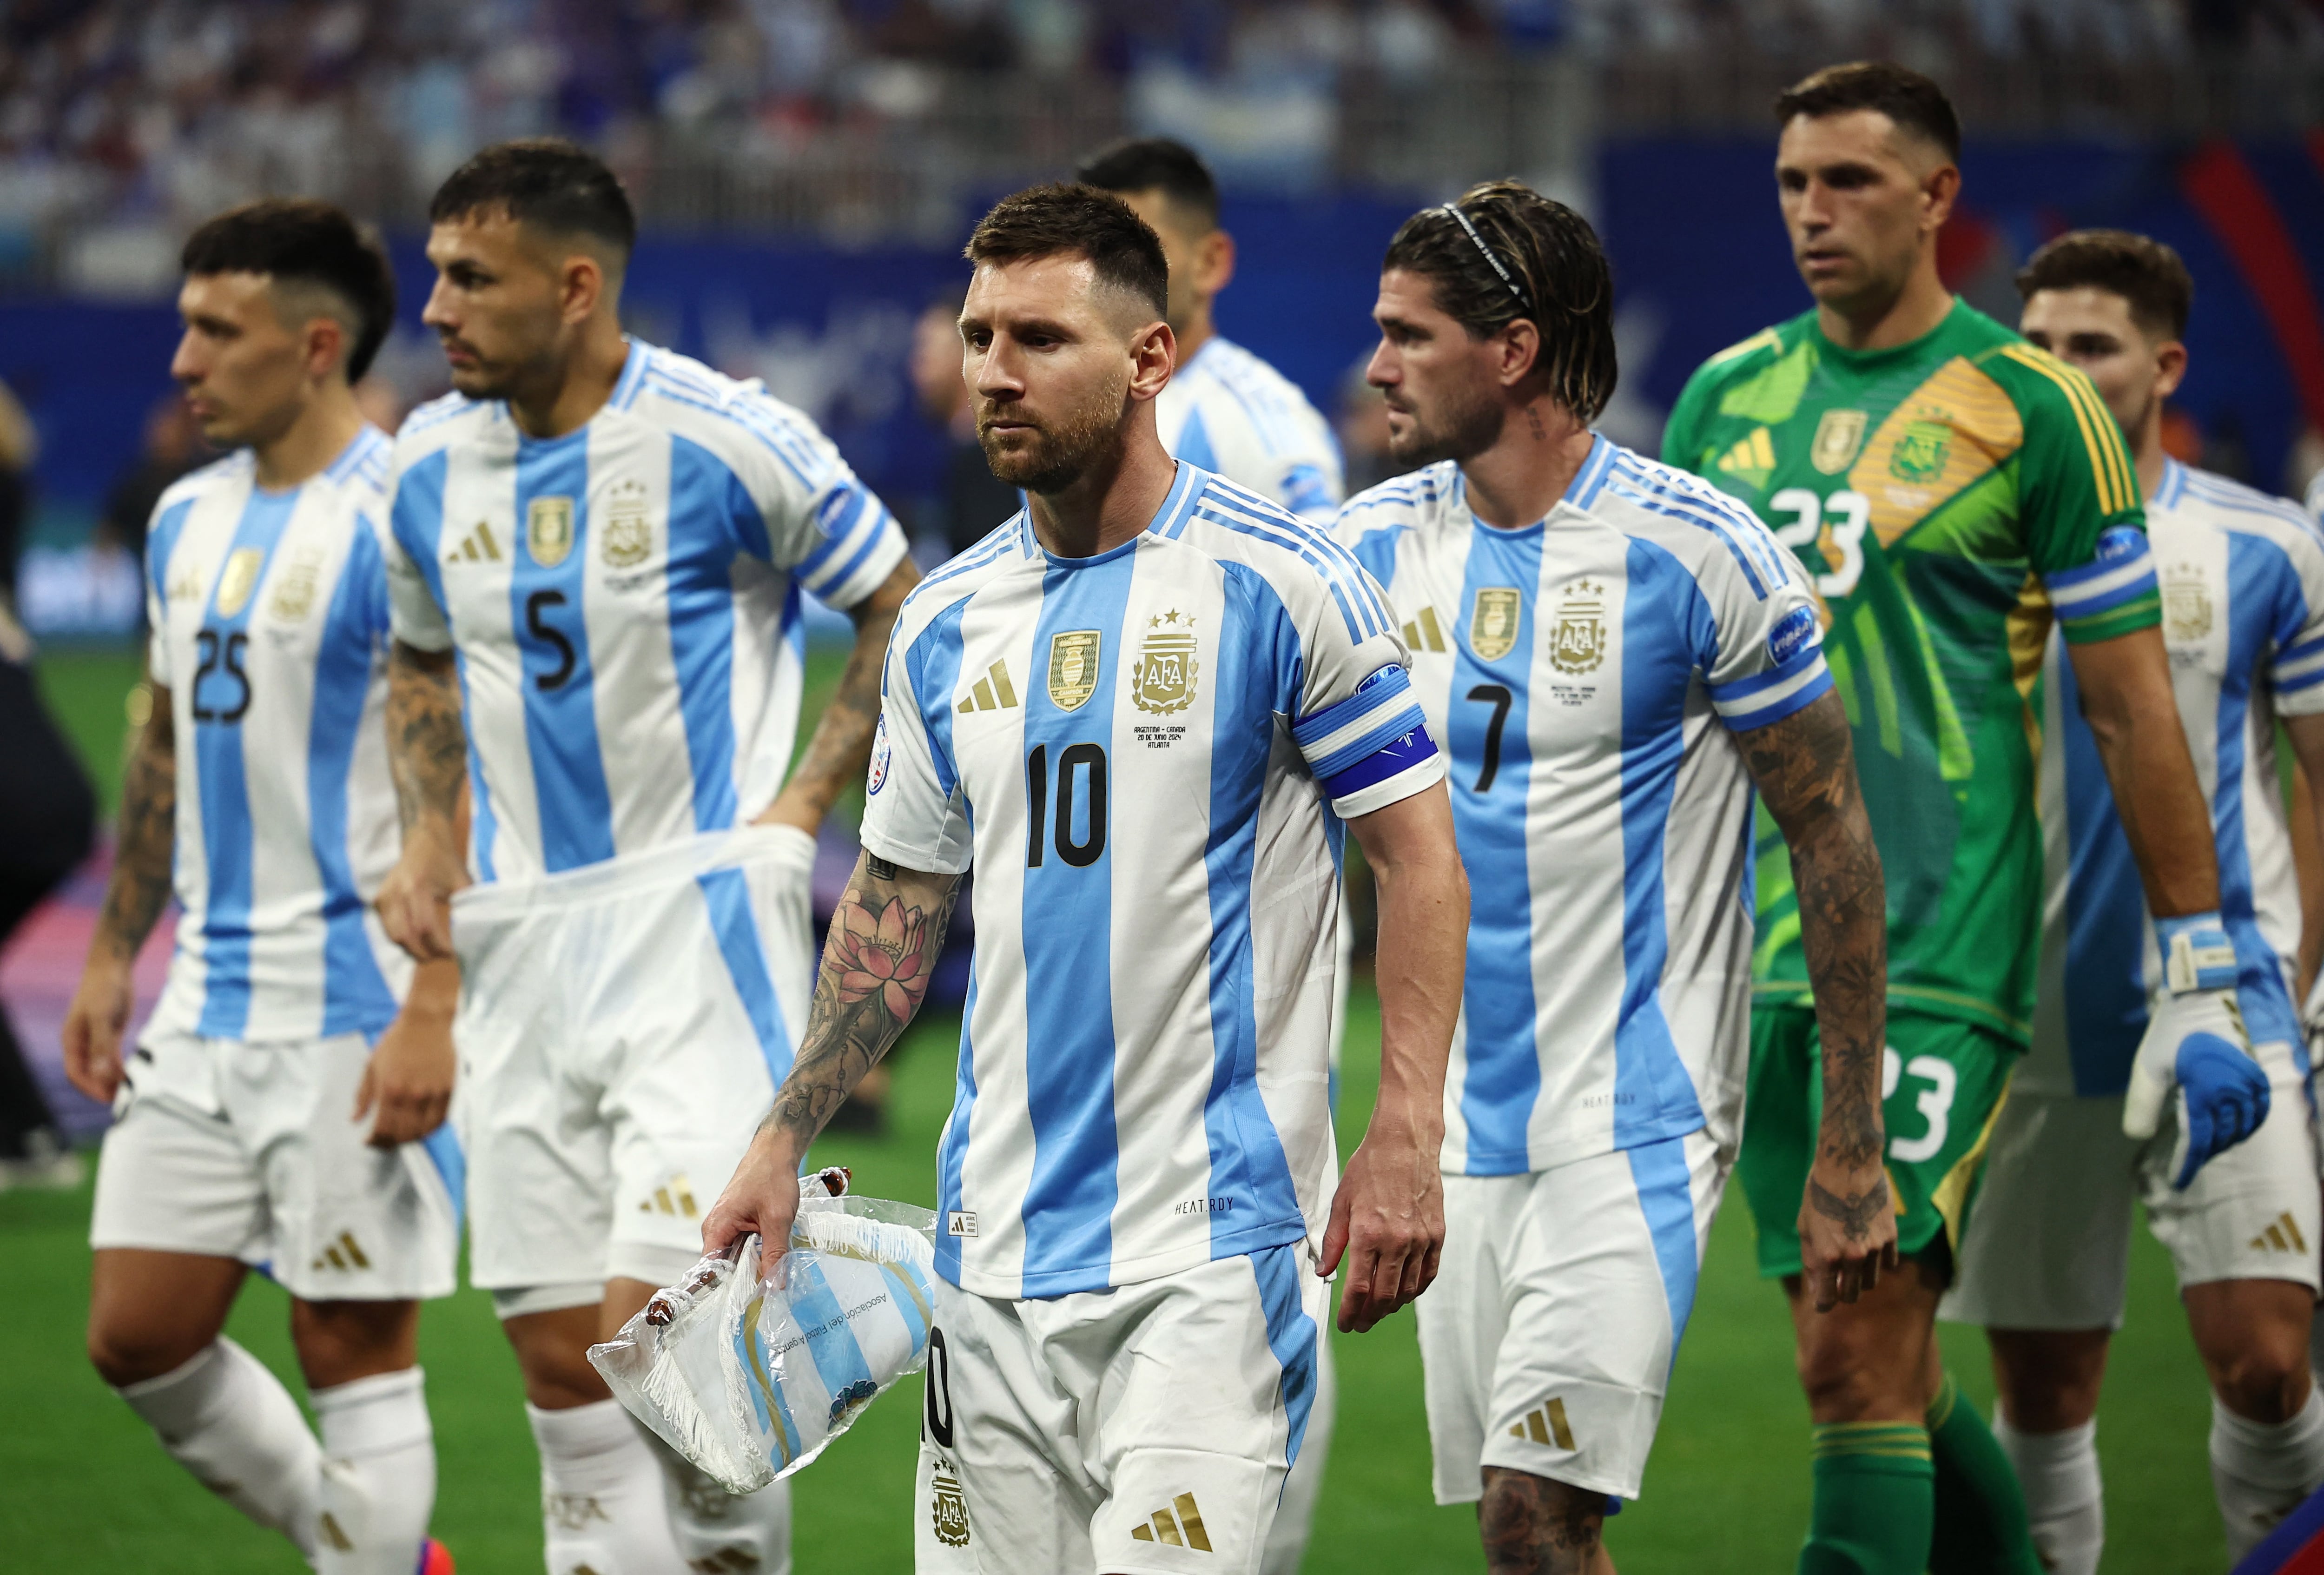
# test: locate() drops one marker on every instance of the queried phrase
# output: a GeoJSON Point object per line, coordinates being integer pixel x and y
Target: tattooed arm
{"type": "Point", "coordinates": [876, 966]}
{"type": "Point", "coordinates": [134, 896]}
{"type": "Point", "coordinates": [841, 746]}
{"type": "Point", "coordinates": [428, 756]}
{"type": "Point", "coordinates": [1805, 768]}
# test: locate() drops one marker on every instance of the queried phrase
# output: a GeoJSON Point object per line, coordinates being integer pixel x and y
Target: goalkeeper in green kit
{"type": "Point", "coordinates": [1952, 493]}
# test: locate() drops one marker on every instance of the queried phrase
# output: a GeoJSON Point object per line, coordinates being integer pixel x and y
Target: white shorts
{"type": "Point", "coordinates": [621, 1029]}
{"type": "Point", "coordinates": [1547, 1339]}
{"type": "Point", "coordinates": [252, 1151]}
{"type": "Point", "coordinates": [1143, 1429]}
{"type": "Point", "coordinates": [2048, 1245]}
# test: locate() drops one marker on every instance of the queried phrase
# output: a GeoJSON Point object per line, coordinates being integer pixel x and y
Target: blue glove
{"type": "Point", "coordinates": [2195, 1046]}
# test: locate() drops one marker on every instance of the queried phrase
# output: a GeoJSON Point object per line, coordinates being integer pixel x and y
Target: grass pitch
{"type": "Point", "coordinates": [84, 1487]}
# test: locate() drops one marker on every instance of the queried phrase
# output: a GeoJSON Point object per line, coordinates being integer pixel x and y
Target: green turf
{"type": "Point", "coordinates": [87, 688]}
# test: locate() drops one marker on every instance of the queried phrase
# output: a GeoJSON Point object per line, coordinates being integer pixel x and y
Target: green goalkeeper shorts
{"type": "Point", "coordinates": [1944, 1083]}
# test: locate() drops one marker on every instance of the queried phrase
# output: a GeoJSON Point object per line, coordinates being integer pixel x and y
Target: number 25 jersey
{"type": "Point", "coordinates": [1137, 752]}
{"type": "Point", "coordinates": [1951, 499]}
{"type": "Point", "coordinates": [1584, 672]}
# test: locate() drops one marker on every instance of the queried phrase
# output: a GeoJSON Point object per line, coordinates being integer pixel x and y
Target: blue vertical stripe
{"type": "Point", "coordinates": [443, 1147]}
{"type": "Point", "coordinates": [1667, 636]}
{"type": "Point", "coordinates": [560, 711]}
{"type": "Point", "coordinates": [727, 895]}
{"type": "Point", "coordinates": [1291, 1335]}
{"type": "Point", "coordinates": [1666, 1200]}
{"type": "Point", "coordinates": [228, 834]}
{"type": "Point", "coordinates": [699, 585]}
{"type": "Point", "coordinates": [1069, 1200]}
{"type": "Point", "coordinates": [355, 995]}
{"type": "Point", "coordinates": [1259, 671]}
{"type": "Point", "coordinates": [2106, 913]}
{"type": "Point", "coordinates": [1502, 1079]}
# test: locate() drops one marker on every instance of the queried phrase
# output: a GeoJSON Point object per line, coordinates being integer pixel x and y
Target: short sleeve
{"type": "Point", "coordinates": [1359, 723]}
{"type": "Point", "coordinates": [415, 592]}
{"type": "Point", "coordinates": [2084, 529]}
{"type": "Point", "coordinates": [800, 507]}
{"type": "Point", "coordinates": [414, 616]}
{"type": "Point", "coordinates": [157, 637]}
{"type": "Point", "coordinates": [1312, 492]}
{"type": "Point", "coordinates": [2296, 670]}
{"type": "Point", "coordinates": [162, 534]}
{"type": "Point", "coordinates": [1766, 657]}
{"type": "Point", "coordinates": [915, 813]}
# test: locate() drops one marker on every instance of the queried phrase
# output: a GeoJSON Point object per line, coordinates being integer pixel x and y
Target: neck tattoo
{"type": "Point", "coordinates": [1533, 420]}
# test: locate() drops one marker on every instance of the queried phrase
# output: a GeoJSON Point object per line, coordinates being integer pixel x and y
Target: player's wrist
{"type": "Point", "coordinates": [2196, 954]}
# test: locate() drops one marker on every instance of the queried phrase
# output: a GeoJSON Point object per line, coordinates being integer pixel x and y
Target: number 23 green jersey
{"type": "Point", "coordinates": [1951, 498]}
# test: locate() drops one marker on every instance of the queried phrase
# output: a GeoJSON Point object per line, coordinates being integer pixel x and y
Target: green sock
{"type": "Point", "coordinates": [1873, 1500]}
{"type": "Point", "coordinates": [1981, 1526]}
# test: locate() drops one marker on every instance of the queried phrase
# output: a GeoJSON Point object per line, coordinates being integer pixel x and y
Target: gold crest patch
{"type": "Point", "coordinates": [1073, 657]}
{"type": "Point", "coordinates": [948, 1510]}
{"type": "Point", "coordinates": [1162, 680]}
{"type": "Point", "coordinates": [629, 536]}
{"type": "Point", "coordinates": [237, 579]}
{"type": "Point", "coordinates": [549, 529]}
{"type": "Point", "coordinates": [2185, 603]}
{"type": "Point", "coordinates": [294, 590]}
{"type": "Point", "coordinates": [1577, 643]}
{"type": "Point", "coordinates": [1838, 436]}
{"type": "Point", "coordinates": [1493, 622]}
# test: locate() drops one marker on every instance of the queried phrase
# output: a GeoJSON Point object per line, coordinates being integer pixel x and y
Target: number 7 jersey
{"type": "Point", "coordinates": [1140, 754]}
{"type": "Point", "coordinates": [1952, 499]}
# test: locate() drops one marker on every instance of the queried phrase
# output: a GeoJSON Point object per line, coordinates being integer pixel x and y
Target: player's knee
{"type": "Point", "coordinates": [2262, 1383]}
{"type": "Point", "coordinates": [1538, 1525]}
{"type": "Point", "coordinates": [339, 1342]}
{"type": "Point", "coordinates": [125, 1354]}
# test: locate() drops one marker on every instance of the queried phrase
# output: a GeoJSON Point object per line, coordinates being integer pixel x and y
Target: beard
{"type": "Point", "coordinates": [1058, 451]}
{"type": "Point", "coordinates": [1470, 422]}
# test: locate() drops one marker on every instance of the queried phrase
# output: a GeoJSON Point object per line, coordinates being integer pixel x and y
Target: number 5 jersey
{"type": "Point", "coordinates": [1951, 499]}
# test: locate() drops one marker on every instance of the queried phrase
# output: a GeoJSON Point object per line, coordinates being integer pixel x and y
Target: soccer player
{"type": "Point", "coordinates": [2043, 1266]}
{"type": "Point", "coordinates": [280, 1111]}
{"type": "Point", "coordinates": [1953, 493]}
{"type": "Point", "coordinates": [1234, 415]}
{"type": "Point", "coordinates": [600, 549]}
{"type": "Point", "coordinates": [1131, 1296]}
{"type": "Point", "coordinates": [1613, 653]}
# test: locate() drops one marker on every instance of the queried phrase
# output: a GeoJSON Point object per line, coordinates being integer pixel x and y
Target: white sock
{"type": "Point", "coordinates": [2261, 1471]}
{"type": "Point", "coordinates": [601, 1505]}
{"type": "Point", "coordinates": [379, 1474]}
{"type": "Point", "coordinates": [227, 1420]}
{"type": "Point", "coordinates": [718, 1529]}
{"type": "Point", "coordinates": [2065, 1501]}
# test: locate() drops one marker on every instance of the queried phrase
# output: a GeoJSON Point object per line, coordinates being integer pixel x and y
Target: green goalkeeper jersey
{"type": "Point", "coordinates": [1950, 499]}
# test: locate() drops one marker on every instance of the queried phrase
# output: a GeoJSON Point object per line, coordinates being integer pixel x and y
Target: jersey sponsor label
{"type": "Point", "coordinates": [960, 1222]}
{"type": "Point", "coordinates": [1796, 628]}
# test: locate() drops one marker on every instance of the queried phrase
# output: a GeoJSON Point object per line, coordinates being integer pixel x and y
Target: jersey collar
{"type": "Point", "coordinates": [1186, 489]}
{"type": "Point", "coordinates": [1580, 492]}
{"type": "Point", "coordinates": [2173, 487]}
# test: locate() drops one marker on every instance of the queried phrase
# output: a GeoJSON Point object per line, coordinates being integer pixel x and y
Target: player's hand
{"type": "Point", "coordinates": [94, 1025]}
{"type": "Point", "coordinates": [761, 1197]}
{"type": "Point", "coordinates": [2195, 1048]}
{"type": "Point", "coordinates": [1847, 1231]}
{"type": "Point", "coordinates": [408, 1078]}
{"type": "Point", "coordinates": [1387, 1220]}
{"type": "Point", "coordinates": [415, 901]}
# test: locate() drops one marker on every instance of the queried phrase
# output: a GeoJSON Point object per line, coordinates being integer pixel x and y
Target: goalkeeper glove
{"type": "Point", "coordinates": [2195, 1045]}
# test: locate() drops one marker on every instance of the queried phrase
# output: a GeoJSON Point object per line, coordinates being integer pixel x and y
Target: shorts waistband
{"type": "Point", "coordinates": [627, 873]}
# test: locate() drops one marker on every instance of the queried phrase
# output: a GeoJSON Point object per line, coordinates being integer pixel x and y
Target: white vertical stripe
{"type": "Point", "coordinates": [633, 685]}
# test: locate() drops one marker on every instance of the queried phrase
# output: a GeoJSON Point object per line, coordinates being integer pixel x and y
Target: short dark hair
{"type": "Point", "coordinates": [1155, 163]}
{"type": "Point", "coordinates": [1556, 277]}
{"type": "Point", "coordinates": [300, 241]}
{"type": "Point", "coordinates": [1914, 102]}
{"type": "Point", "coordinates": [1042, 221]}
{"type": "Point", "coordinates": [2146, 273]}
{"type": "Point", "coordinates": [545, 182]}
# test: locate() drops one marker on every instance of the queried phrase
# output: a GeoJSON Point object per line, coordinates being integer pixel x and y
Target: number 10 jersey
{"type": "Point", "coordinates": [1140, 754]}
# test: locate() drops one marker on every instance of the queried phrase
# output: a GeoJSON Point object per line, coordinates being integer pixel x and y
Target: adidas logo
{"type": "Point", "coordinates": [994, 683]}
{"type": "Point", "coordinates": [676, 1197]}
{"type": "Point", "coordinates": [333, 1536]}
{"type": "Point", "coordinates": [333, 1257]}
{"type": "Point", "coordinates": [2282, 1236]}
{"type": "Point", "coordinates": [476, 546]}
{"type": "Point", "coordinates": [1184, 1531]}
{"type": "Point", "coordinates": [1545, 1422]}
{"type": "Point", "coordinates": [1755, 455]}
{"type": "Point", "coordinates": [1421, 633]}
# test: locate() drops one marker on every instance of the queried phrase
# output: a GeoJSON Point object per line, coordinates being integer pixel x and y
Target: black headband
{"type": "Point", "coordinates": [1506, 278]}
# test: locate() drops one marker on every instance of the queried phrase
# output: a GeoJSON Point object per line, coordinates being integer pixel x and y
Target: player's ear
{"type": "Point", "coordinates": [581, 285]}
{"type": "Point", "coordinates": [1215, 261]}
{"type": "Point", "coordinates": [325, 347]}
{"type": "Point", "coordinates": [1518, 348]}
{"type": "Point", "coordinates": [1938, 188]}
{"type": "Point", "coordinates": [2170, 367]}
{"type": "Point", "coordinates": [1153, 357]}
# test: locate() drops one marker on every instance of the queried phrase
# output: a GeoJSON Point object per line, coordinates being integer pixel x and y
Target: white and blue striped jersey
{"type": "Point", "coordinates": [1229, 413]}
{"type": "Point", "coordinates": [1585, 673]}
{"type": "Point", "coordinates": [269, 613]}
{"type": "Point", "coordinates": [1141, 754]}
{"type": "Point", "coordinates": [2242, 578]}
{"type": "Point", "coordinates": [624, 603]}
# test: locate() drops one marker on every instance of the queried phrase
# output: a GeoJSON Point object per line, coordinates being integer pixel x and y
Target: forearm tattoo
{"type": "Point", "coordinates": [841, 745]}
{"type": "Point", "coordinates": [139, 886]}
{"type": "Point", "coordinates": [428, 743]}
{"type": "Point", "coordinates": [876, 966]}
{"type": "Point", "coordinates": [1805, 768]}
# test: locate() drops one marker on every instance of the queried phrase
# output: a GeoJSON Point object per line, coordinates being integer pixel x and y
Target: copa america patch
{"type": "Point", "coordinates": [1791, 634]}
{"type": "Point", "coordinates": [878, 776]}
{"type": "Point", "coordinates": [2119, 542]}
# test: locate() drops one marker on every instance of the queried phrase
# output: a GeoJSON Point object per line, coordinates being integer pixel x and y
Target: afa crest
{"type": "Point", "coordinates": [1922, 449]}
{"type": "Point", "coordinates": [237, 579]}
{"type": "Point", "coordinates": [1838, 435]}
{"type": "Point", "coordinates": [629, 535]}
{"type": "Point", "coordinates": [1493, 622]}
{"type": "Point", "coordinates": [294, 589]}
{"type": "Point", "coordinates": [947, 1510]}
{"type": "Point", "coordinates": [1162, 680]}
{"type": "Point", "coordinates": [2185, 603]}
{"type": "Point", "coordinates": [1577, 643]}
{"type": "Point", "coordinates": [1074, 658]}
{"type": "Point", "coordinates": [549, 529]}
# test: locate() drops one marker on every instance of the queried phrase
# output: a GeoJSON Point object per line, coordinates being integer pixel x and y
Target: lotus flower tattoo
{"type": "Point", "coordinates": [885, 955]}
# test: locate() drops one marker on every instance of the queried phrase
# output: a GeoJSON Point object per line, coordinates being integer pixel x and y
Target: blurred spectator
{"type": "Point", "coordinates": [973, 500]}
{"type": "Point", "coordinates": [173, 447]}
{"type": "Point", "coordinates": [1362, 423]}
{"type": "Point", "coordinates": [380, 402]}
{"type": "Point", "coordinates": [20, 445]}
